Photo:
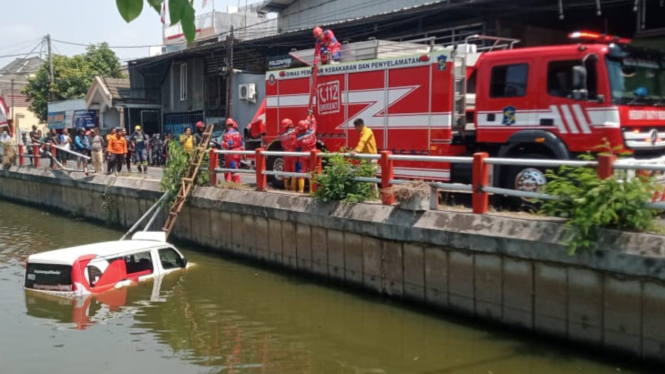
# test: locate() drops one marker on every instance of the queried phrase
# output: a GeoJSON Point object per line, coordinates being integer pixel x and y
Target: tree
{"type": "Point", "coordinates": [72, 77]}
{"type": "Point", "coordinates": [180, 11]}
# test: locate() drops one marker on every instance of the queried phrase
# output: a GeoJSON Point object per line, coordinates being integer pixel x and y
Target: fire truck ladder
{"type": "Point", "coordinates": [459, 91]}
{"type": "Point", "coordinates": [188, 179]}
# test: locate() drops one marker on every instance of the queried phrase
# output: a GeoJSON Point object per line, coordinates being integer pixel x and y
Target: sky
{"type": "Point", "coordinates": [25, 22]}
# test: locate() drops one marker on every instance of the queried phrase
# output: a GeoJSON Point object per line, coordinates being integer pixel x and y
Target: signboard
{"type": "Point", "coordinates": [85, 119]}
{"type": "Point", "coordinates": [56, 120]}
{"type": "Point", "coordinates": [279, 62]}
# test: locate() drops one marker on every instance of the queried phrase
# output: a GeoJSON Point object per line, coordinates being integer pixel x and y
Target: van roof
{"type": "Point", "coordinates": [67, 256]}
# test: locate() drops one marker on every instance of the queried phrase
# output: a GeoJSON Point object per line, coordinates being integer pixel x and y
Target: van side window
{"type": "Point", "coordinates": [509, 81]}
{"type": "Point", "coordinates": [170, 259]}
{"type": "Point", "coordinates": [138, 263]}
{"type": "Point", "coordinates": [94, 274]}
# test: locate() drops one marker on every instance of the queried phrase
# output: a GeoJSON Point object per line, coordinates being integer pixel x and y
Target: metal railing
{"type": "Point", "coordinates": [481, 163]}
{"type": "Point", "coordinates": [37, 153]}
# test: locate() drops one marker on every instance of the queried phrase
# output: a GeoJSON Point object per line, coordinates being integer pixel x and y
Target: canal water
{"type": "Point", "coordinates": [222, 316]}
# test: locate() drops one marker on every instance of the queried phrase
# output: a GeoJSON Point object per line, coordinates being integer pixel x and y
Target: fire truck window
{"type": "Point", "coordinates": [509, 81]}
{"type": "Point", "coordinates": [138, 262]}
{"type": "Point", "coordinates": [471, 84]}
{"type": "Point", "coordinates": [560, 78]}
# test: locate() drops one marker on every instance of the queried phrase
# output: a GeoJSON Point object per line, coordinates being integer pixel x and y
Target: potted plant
{"type": "Point", "coordinates": [413, 195]}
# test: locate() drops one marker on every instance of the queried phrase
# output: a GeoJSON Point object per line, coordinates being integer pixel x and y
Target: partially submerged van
{"type": "Point", "coordinates": [99, 267]}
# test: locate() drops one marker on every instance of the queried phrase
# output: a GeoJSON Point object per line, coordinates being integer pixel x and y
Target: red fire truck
{"type": "Point", "coordinates": [551, 102]}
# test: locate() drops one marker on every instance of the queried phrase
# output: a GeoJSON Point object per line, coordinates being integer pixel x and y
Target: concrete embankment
{"type": "Point", "coordinates": [512, 271]}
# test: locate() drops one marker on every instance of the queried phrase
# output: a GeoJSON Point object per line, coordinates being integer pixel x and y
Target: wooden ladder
{"type": "Point", "coordinates": [188, 179]}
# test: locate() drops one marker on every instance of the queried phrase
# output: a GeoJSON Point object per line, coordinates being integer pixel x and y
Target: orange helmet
{"type": "Point", "coordinates": [287, 123]}
{"type": "Point", "coordinates": [231, 122]}
{"type": "Point", "coordinates": [318, 31]}
{"type": "Point", "coordinates": [302, 126]}
{"type": "Point", "coordinates": [200, 124]}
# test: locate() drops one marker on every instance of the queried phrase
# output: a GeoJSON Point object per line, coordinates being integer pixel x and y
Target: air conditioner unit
{"type": "Point", "coordinates": [247, 92]}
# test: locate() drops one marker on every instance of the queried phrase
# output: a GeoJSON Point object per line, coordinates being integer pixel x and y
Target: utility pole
{"type": "Point", "coordinates": [229, 74]}
{"type": "Point", "coordinates": [50, 65]}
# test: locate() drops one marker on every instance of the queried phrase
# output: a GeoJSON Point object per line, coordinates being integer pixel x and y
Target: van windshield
{"type": "Point", "coordinates": [48, 277]}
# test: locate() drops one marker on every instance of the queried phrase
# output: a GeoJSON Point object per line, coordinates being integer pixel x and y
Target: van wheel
{"type": "Point", "coordinates": [276, 163]}
{"type": "Point", "coordinates": [524, 178]}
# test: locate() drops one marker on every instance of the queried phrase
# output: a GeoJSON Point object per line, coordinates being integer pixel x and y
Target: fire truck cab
{"type": "Point", "coordinates": [551, 102]}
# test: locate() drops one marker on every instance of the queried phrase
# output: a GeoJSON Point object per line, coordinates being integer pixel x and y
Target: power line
{"type": "Point", "coordinates": [20, 54]}
{"type": "Point", "coordinates": [111, 46]}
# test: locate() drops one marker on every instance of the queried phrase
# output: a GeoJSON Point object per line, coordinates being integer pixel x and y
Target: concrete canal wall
{"type": "Point", "coordinates": [507, 270]}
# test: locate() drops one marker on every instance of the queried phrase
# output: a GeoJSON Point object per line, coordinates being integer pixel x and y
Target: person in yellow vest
{"type": "Point", "coordinates": [187, 140]}
{"type": "Point", "coordinates": [366, 143]}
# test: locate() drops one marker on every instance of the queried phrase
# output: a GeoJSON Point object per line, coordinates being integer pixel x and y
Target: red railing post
{"type": "Point", "coordinates": [21, 160]}
{"type": "Point", "coordinates": [213, 164]}
{"type": "Point", "coordinates": [606, 165]}
{"type": "Point", "coordinates": [35, 155]}
{"type": "Point", "coordinates": [314, 168]}
{"type": "Point", "coordinates": [480, 180]}
{"type": "Point", "coordinates": [387, 195]}
{"type": "Point", "coordinates": [54, 156]}
{"type": "Point", "coordinates": [261, 180]}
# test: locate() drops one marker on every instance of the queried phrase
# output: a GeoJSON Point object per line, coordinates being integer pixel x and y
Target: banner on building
{"type": "Point", "coordinates": [56, 120]}
{"type": "Point", "coordinates": [279, 62]}
{"type": "Point", "coordinates": [85, 119]}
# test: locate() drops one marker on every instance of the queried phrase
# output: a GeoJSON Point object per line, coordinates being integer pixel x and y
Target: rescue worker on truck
{"type": "Point", "coordinates": [306, 142]}
{"type": "Point", "coordinates": [140, 140]}
{"type": "Point", "coordinates": [288, 140]}
{"type": "Point", "coordinates": [327, 46]}
{"type": "Point", "coordinates": [232, 140]}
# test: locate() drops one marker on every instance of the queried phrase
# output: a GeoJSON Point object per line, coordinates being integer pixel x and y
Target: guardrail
{"type": "Point", "coordinates": [480, 163]}
{"type": "Point", "coordinates": [36, 154]}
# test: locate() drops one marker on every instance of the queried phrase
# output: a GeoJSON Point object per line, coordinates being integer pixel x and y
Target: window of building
{"type": "Point", "coordinates": [183, 82]}
{"type": "Point", "coordinates": [139, 263]}
{"type": "Point", "coordinates": [170, 259]}
{"type": "Point", "coordinates": [509, 81]}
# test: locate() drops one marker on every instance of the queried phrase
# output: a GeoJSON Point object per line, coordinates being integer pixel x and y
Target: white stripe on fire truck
{"type": "Point", "coordinates": [556, 118]}
{"type": "Point", "coordinates": [568, 119]}
{"type": "Point", "coordinates": [417, 172]}
{"type": "Point", "coordinates": [581, 119]}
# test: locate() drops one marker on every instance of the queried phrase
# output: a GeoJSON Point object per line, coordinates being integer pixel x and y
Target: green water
{"type": "Point", "coordinates": [221, 316]}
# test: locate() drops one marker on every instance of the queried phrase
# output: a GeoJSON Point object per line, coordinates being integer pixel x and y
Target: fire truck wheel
{"type": "Point", "coordinates": [276, 163]}
{"type": "Point", "coordinates": [524, 178]}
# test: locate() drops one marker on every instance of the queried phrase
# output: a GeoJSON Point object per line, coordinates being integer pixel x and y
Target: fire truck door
{"type": "Point", "coordinates": [506, 99]}
{"type": "Point", "coordinates": [440, 108]}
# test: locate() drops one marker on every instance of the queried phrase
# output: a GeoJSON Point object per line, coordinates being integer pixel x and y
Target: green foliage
{"type": "Point", "coordinates": [590, 203]}
{"type": "Point", "coordinates": [336, 181]}
{"type": "Point", "coordinates": [129, 9]}
{"type": "Point", "coordinates": [181, 11]}
{"type": "Point", "coordinates": [72, 77]}
{"type": "Point", "coordinates": [175, 169]}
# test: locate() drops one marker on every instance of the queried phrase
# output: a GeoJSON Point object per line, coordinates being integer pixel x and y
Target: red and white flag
{"type": "Point", "coordinates": [4, 112]}
{"type": "Point", "coordinates": [163, 13]}
{"type": "Point", "coordinates": [205, 3]}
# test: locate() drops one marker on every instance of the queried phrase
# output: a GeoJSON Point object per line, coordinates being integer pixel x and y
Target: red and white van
{"type": "Point", "coordinates": [99, 267]}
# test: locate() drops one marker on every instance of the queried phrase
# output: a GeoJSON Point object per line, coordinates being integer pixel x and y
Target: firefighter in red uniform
{"type": "Point", "coordinates": [306, 142]}
{"type": "Point", "coordinates": [326, 45]}
{"type": "Point", "coordinates": [232, 140]}
{"type": "Point", "coordinates": [288, 140]}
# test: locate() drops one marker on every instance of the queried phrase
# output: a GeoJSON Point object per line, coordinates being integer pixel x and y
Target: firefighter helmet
{"type": "Point", "coordinates": [231, 122]}
{"type": "Point", "coordinates": [200, 124]}
{"type": "Point", "coordinates": [302, 126]}
{"type": "Point", "coordinates": [318, 31]}
{"type": "Point", "coordinates": [287, 123]}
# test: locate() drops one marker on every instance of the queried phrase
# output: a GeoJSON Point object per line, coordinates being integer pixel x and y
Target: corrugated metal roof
{"type": "Point", "coordinates": [275, 5]}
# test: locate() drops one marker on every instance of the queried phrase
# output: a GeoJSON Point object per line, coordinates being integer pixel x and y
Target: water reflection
{"type": "Point", "coordinates": [225, 317]}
